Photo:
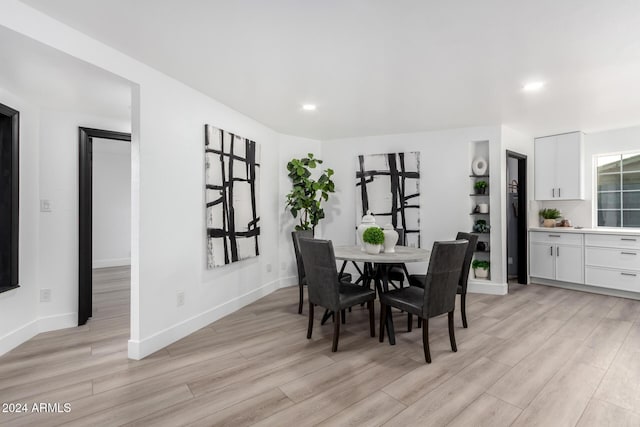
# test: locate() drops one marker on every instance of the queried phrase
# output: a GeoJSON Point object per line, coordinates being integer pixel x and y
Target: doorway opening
{"type": "Point", "coordinates": [112, 278]}
{"type": "Point", "coordinates": [9, 199]}
{"type": "Point", "coordinates": [516, 214]}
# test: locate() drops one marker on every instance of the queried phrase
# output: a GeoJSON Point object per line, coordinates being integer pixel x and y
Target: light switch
{"type": "Point", "coordinates": [45, 205]}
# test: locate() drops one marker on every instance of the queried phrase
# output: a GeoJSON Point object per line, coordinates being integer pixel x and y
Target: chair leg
{"type": "Point", "coordinates": [301, 298]}
{"type": "Point", "coordinates": [409, 322]}
{"type": "Point", "coordinates": [425, 340]}
{"type": "Point", "coordinates": [463, 309]}
{"type": "Point", "coordinates": [344, 317]}
{"type": "Point", "coordinates": [452, 336]}
{"type": "Point", "coordinates": [383, 319]}
{"type": "Point", "coordinates": [372, 318]}
{"type": "Point", "coordinates": [310, 328]}
{"type": "Point", "coordinates": [419, 322]}
{"type": "Point", "coordinates": [336, 330]}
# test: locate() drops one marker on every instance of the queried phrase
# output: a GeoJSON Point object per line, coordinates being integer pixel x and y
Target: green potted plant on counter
{"type": "Point", "coordinates": [549, 216]}
{"type": "Point", "coordinates": [481, 187]}
{"type": "Point", "coordinates": [480, 269]}
{"type": "Point", "coordinates": [373, 238]}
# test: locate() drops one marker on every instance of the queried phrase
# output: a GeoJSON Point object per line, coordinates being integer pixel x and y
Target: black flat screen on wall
{"type": "Point", "coordinates": [9, 186]}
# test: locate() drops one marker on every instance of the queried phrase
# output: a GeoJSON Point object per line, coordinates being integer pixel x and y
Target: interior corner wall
{"type": "Point", "coordinates": [444, 181]}
{"type": "Point", "coordinates": [19, 307]}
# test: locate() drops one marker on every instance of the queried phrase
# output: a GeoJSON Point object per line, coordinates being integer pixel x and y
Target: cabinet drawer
{"type": "Point", "coordinates": [556, 238]}
{"type": "Point", "coordinates": [613, 240]}
{"type": "Point", "coordinates": [623, 259]}
{"type": "Point", "coordinates": [613, 279]}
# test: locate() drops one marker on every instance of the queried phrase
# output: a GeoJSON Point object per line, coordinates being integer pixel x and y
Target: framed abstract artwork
{"type": "Point", "coordinates": [389, 186]}
{"type": "Point", "coordinates": [232, 185]}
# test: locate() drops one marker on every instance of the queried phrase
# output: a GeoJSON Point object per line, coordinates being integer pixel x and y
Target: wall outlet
{"type": "Point", "coordinates": [509, 260]}
{"type": "Point", "coordinates": [180, 298]}
{"type": "Point", "coordinates": [45, 295]}
{"type": "Point", "coordinates": [268, 268]}
{"type": "Point", "coordinates": [45, 206]}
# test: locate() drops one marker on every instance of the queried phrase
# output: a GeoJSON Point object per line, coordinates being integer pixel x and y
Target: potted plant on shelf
{"type": "Point", "coordinates": [307, 194]}
{"type": "Point", "coordinates": [549, 216]}
{"type": "Point", "coordinates": [481, 226]}
{"type": "Point", "coordinates": [373, 238]}
{"type": "Point", "coordinates": [481, 187]}
{"type": "Point", "coordinates": [480, 269]}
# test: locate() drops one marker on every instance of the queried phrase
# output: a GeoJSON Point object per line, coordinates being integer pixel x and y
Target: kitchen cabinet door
{"type": "Point", "coordinates": [545, 168]}
{"type": "Point", "coordinates": [542, 261]}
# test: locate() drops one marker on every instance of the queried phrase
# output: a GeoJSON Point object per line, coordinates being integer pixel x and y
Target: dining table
{"type": "Point", "coordinates": [377, 266]}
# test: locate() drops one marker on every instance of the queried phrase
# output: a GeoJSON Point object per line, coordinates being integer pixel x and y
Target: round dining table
{"type": "Point", "coordinates": [376, 268]}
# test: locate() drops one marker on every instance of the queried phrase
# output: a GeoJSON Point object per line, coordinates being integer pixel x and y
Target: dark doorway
{"type": "Point", "coordinates": [9, 199]}
{"type": "Point", "coordinates": [85, 258]}
{"type": "Point", "coordinates": [516, 214]}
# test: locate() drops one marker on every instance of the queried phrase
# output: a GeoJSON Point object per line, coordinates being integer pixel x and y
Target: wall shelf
{"type": "Point", "coordinates": [479, 213]}
{"type": "Point", "coordinates": [480, 195]}
{"type": "Point", "coordinates": [478, 176]}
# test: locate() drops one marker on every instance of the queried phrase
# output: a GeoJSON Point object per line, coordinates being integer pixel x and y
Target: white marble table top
{"type": "Point", "coordinates": [401, 255]}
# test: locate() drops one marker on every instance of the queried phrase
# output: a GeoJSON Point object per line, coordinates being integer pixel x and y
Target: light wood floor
{"type": "Point", "coordinates": [539, 356]}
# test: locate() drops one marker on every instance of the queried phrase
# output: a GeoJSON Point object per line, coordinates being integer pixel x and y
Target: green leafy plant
{"type": "Point", "coordinates": [550, 213]}
{"type": "Point", "coordinates": [481, 185]}
{"type": "Point", "coordinates": [480, 264]}
{"type": "Point", "coordinates": [373, 235]}
{"type": "Point", "coordinates": [481, 226]}
{"type": "Point", "coordinates": [304, 201]}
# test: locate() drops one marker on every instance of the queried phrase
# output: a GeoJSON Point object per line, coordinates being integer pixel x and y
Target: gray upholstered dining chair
{"type": "Point", "coordinates": [438, 295]}
{"type": "Point", "coordinates": [418, 279]}
{"type": "Point", "coordinates": [302, 280]}
{"type": "Point", "coordinates": [326, 290]}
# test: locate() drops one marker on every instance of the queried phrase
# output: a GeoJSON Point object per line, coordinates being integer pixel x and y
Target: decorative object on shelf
{"type": "Point", "coordinates": [367, 221]}
{"type": "Point", "coordinates": [307, 194]}
{"type": "Point", "coordinates": [481, 226]}
{"type": "Point", "coordinates": [232, 183]}
{"type": "Point", "coordinates": [482, 246]}
{"type": "Point", "coordinates": [373, 238]}
{"type": "Point", "coordinates": [549, 216]}
{"type": "Point", "coordinates": [476, 209]}
{"type": "Point", "coordinates": [483, 208]}
{"type": "Point", "coordinates": [389, 185]}
{"type": "Point", "coordinates": [479, 166]}
{"type": "Point", "coordinates": [481, 187]}
{"type": "Point", "coordinates": [390, 238]}
{"type": "Point", "coordinates": [480, 269]}
{"type": "Point", "coordinates": [565, 223]}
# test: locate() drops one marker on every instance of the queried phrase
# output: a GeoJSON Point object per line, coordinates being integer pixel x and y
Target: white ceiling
{"type": "Point", "coordinates": [51, 79]}
{"type": "Point", "coordinates": [381, 66]}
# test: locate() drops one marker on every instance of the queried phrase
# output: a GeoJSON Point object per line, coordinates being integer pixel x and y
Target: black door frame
{"type": "Point", "coordinates": [85, 219]}
{"type": "Point", "coordinates": [14, 116]}
{"type": "Point", "coordinates": [523, 213]}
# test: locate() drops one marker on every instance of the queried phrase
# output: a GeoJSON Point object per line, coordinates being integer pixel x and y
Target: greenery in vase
{"type": "Point", "coordinates": [481, 185]}
{"type": "Point", "coordinates": [373, 235]}
{"type": "Point", "coordinates": [550, 213]}
{"type": "Point", "coordinates": [480, 264]}
{"type": "Point", "coordinates": [306, 197]}
{"type": "Point", "coordinates": [481, 226]}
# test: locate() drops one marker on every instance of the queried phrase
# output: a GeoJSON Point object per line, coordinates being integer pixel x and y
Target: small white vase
{"type": "Point", "coordinates": [479, 166]}
{"type": "Point", "coordinates": [390, 239]}
{"type": "Point", "coordinates": [367, 221]}
{"type": "Point", "coordinates": [483, 208]}
{"type": "Point", "coordinates": [372, 249]}
{"type": "Point", "coordinates": [481, 273]}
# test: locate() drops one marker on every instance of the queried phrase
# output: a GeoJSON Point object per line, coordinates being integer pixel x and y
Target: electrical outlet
{"type": "Point", "coordinates": [510, 260]}
{"type": "Point", "coordinates": [180, 298]}
{"type": "Point", "coordinates": [268, 268]}
{"type": "Point", "coordinates": [45, 206]}
{"type": "Point", "coordinates": [45, 295]}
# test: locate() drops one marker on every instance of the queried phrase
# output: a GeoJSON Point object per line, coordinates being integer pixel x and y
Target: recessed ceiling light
{"type": "Point", "coordinates": [309, 107]}
{"type": "Point", "coordinates": [532, 86]}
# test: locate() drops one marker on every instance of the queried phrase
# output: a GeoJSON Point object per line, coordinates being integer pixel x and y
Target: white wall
{"type": "Point", "coordinates": [581, 212]}
{"type": "Point", "coordinates": [445, 166]}
{"type": "Point", "coordinates": [111, 203]}
{"type": "Point", "coordinates": [19, 307]}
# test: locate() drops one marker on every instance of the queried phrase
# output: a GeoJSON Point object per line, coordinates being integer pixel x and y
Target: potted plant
{"type": "Point", "coordinates": [481, 226]}
{"type": "Point", "coordinates": [307, 194]}
{"type": "Point", "coordinates": [481, 187]}
{"type": "Point", "coordinates": [480, 269]}
{"type": "Point", "coordinates": [549, 215]}
{"type": "Point", "coordinates": [373, 238]}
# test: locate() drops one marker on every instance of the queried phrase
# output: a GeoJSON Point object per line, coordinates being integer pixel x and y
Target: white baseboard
{"type": "Point", "coordinates": [487, 287]}
{"type": "Point", "coordinates": [42, 324]}
{"type": "Point", "coordinates": [113, 262]}
{"type": "Point", "coordinates": [142, 348]}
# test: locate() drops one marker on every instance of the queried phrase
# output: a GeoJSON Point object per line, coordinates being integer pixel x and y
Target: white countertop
{"type": "Point", "coordinates": [601, 230]}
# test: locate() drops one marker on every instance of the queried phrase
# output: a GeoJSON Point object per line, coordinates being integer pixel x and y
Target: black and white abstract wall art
{"type": "Point", "coordinates": [389, 186]}
{"type": "Point", "coordinates": [232, 180]}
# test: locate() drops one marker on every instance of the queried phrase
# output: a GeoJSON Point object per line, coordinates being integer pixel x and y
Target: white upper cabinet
{"type": "Point", "coordinates": [558, 167]}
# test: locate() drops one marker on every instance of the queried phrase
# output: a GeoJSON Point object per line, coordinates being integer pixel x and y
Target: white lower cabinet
{"type": "Point", "coordinates": [556, 256]}
{"type": "Point", "coordinates": [569, 264]}
{"type": "Point", "coordinates": [542, 262]}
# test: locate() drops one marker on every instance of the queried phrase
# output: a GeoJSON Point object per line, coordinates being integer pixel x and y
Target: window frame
{"type": "Point", "coordinates": [596, 193]}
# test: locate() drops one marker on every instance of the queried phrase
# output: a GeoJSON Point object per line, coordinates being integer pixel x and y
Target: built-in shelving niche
{"type": "Point", "coordinates": [479, 149]}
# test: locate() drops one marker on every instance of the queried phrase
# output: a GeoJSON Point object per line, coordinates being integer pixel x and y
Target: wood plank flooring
{"type": "Point", "coordinates": [539, 356]}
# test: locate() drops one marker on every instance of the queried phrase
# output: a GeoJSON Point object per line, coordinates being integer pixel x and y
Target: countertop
{"type": "Point", "coordinates": [601, 230]}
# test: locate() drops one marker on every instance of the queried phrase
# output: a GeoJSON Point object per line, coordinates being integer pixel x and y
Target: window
{"type": "Point", "coordinates": [618, 190]}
